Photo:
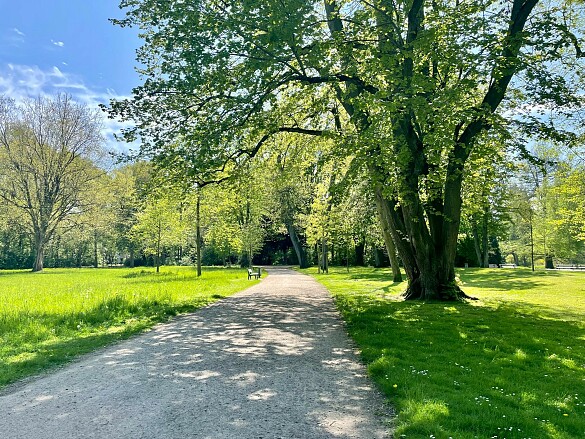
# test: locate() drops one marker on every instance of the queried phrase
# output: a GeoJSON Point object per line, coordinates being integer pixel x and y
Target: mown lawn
{"type": "Point", "coordinates": [510, 365]}
{"type": "Point", "coordinates": [48, 318]}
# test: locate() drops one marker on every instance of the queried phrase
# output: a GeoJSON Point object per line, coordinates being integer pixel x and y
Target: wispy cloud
{"type": "Point", "coordinates": [18, 32]}
{"type": "Point", "coordinates": [20, 82]}
{"type": "Point", "coordinates": [58, 43]}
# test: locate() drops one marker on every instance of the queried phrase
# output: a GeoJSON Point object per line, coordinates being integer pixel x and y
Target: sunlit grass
{"type": "Point", "coordinates": [50, 317]}
{"type": "Point", "coordinates": [510, 365]}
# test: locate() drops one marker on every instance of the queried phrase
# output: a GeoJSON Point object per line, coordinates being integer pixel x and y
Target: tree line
{"type": "Point", "coordinates": [61, 206]}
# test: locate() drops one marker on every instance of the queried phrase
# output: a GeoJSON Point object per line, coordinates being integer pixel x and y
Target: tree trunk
{"type": "Point", "coordinates": [299, 249]}
{"type": "Point", "coordinates": [387, 235]}
{"type": "Point", "coordinates": [158, 241]}
{"type": "Point", "coordinates": [324, 254]}
{"type": "Point", "coordinates": [131, 258]}
{"type": "Point", "coordinates": [95, 249]}
{"type": "Point", "coordinates": [429, 266]}
{"type": "Point", "coordinates": [484, 237]}
{"type": "Point", "coordinates": [359, 253]}
{"type": "Point", "coordinates": [477, 245]}
{"type": "Point", "coordinates": [198, 232]}
{"type": "Point", "coordinates": [39, 242]}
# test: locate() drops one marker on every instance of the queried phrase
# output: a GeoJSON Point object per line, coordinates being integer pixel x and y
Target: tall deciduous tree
{"type": "Point", "coordinates": [406, 87]}
{"type": "Point", "coordinates": [46, 150]}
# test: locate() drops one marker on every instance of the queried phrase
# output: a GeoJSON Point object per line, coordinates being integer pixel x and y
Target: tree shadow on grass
{"type": "Point", "coordinates": [504, 279]}
{"type": "Point", "coordinates": [466, 371]}
{"type": "Point", "coordinates": [37, 341]}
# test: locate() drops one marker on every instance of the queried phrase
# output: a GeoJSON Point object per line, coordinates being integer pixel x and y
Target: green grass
{"type": "Point", "coordinates": [48, 318]}
{"type": "Point", "coordinates": [510, 365]}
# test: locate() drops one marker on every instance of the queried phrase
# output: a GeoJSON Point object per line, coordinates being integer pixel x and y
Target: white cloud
{"type": "Point", "coordinates": [18, 32]}
{"type": "Point", "coordinates": [58, 43]}
{"type": "Point", "coordinates": [21, 81]}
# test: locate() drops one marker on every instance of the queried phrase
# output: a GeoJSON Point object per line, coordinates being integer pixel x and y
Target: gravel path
{"type": "Point", "coordinates": [273, 361]}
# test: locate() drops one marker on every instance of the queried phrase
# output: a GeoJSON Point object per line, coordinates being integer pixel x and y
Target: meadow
{"type": "Point", "coordinates": [509, 365]}
{"type": "Point", "coordinates": [51, 317]}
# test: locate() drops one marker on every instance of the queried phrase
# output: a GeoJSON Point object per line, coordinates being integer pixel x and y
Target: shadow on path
{"type": "Point", "coordinates": [271, 362]}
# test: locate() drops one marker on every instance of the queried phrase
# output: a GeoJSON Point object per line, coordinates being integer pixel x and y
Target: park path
{"type": "Point", "coordinates": [273, 361]}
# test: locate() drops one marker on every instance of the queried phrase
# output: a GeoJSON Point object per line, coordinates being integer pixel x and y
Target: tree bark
{"type": "Point", "coordinates": [325, 254]}
{"type": "Point", "coordinates": [95, 249]}
{"type": "Point", "coordinates": [299, 249]}
{"type": "Point", "coordinates": [387, 235]}
{"type": "Point", "coordinates": [198, 232]}
{"type": "Point", "coordinates": [359, 253]}
{"type": "Point", "coordinates": [39, 252]}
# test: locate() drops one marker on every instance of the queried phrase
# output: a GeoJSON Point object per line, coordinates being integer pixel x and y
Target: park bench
{"type": "Point", "coordinates": [507, 265]}
{"type": "Point", "coordinates": [255, 274]}
{"type": "Point", "coordinates": [570, 267]}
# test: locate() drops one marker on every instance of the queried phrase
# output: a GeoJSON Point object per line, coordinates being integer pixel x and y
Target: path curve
{"type": "Point", "coordinates": [273, 361]}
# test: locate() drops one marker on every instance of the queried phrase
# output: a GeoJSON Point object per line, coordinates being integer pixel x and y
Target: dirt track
{"type": "Point", "coordinates": [271, 362]}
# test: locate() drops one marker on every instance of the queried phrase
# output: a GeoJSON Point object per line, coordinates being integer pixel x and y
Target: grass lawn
{"type": "Point", "coordinates": [511, 365]}
{"type": "Point", "coordinates": [50, 317]}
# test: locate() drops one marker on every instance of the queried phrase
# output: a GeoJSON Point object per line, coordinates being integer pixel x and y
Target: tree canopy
{"type": "Point", "coordinates": [406, 90]}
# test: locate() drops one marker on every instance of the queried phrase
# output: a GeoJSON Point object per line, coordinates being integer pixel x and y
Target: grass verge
{"type": "Point", "coordinates": [48, 318]}
{"type": "Point", "coordinates": [511, 365]}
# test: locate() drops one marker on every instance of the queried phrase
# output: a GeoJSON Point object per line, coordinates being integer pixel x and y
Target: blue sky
{"type": "Point", "coordinates": [49, 46]}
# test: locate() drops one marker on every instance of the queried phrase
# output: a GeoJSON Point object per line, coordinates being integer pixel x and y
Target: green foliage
{"type": "Point", "coordinates": [49, 318]}
{"type": "Point", "coordinates": [408, 90]}
{"type": "Point", "coordinates": [49, 148]}
{"type": "Point", "coordinates": [509, 365]}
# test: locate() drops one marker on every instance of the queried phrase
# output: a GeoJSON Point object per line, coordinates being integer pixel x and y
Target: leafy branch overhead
{"type": "Point", "coordinates": [407, 88]}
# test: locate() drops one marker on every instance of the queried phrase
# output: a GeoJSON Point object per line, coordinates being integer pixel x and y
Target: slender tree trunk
{"type": "Point", "coordinates": [476, 244]}
{"type": "Point", "coordinates": [347, 257]}
{"type": "Point", "coordinates": [95, 249]}
{"type": "Point", "coordinates": [198, 232]}
{"type": "Point", "coordinates": [387, 235]}
{"type": "Point", "coordinates": [332, 251]}
{"type": "Point", "coordinates": [157, 258]}
{"type": "Point", "coordinates": [484, 237]}
{"type": "Point", "coordinates": [131, 262]}
{"type": "Point", "coordinates": [531, 245]}
{"type": "Point", "coordinates": [325, 259]}
{"type": "Point", "coordinates": [299, 249]}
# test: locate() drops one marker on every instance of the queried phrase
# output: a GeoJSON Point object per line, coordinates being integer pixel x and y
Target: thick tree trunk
{"type": "Point", "coordinates": [39, 242]}
{"type": "Point", "coordinates": [377, 258]}
{"type": "Point", "coordinates": [359, 253]}
{"type": "Point", "coordinates": [429, 266]}
{"type": "Point", "coordinates": [299, 249]}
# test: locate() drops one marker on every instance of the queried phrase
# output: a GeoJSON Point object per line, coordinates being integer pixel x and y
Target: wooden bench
{"type": "Point", "coordinates": [507, 265]}
{"type": "Point", "coordinates": [570, 267]}
{"type": "Point", "coordinates": [255, 274]}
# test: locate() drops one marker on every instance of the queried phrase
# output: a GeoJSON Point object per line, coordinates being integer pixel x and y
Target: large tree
{"type": "Point", "coordinates": [406, 88]}
{"type": "Point", "coordinates": [46, 150]}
